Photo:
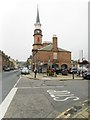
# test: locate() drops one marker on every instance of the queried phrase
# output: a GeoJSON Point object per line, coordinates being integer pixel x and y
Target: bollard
{"type": "Point", "coordinates": [73, 75]}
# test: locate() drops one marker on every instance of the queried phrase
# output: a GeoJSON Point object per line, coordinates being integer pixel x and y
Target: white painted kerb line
{"type": "Point", "coordinates": [5, 104]}
{"type": "Point", "coordinates": [17, 82]}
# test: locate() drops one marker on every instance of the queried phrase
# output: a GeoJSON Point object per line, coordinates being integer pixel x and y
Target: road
{"type": "Point", "coordinates": [9, 78]}
{"type": "Point", "coordinates": [45, 98]}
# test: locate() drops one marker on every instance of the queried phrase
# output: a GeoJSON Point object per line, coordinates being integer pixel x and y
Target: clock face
{"type": "Point", "coordinates": [38, 31]}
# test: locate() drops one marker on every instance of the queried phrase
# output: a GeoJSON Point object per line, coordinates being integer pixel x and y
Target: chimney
{"type": "Point", "coordinates": [54, 41]}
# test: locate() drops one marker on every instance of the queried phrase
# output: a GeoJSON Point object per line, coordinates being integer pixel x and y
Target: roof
{"type": "Point", "coordinates": [63, 50]}
{"type": "Point", "coordinates": [49, 48]}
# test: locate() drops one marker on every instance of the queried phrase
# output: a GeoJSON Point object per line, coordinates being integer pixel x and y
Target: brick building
{"type": "Point", "coordinates": [6, 61]}
{"type": "Point", "coordinates": [48, 55]}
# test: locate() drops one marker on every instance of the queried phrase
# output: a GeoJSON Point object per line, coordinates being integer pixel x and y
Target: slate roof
{"type": "Point", "coordinates": [49, 48]}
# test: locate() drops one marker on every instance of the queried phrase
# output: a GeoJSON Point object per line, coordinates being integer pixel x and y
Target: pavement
{"type": "Point", "coordinates": [83, 113]}
{"type": "Point", "coordinates": [43, 76]}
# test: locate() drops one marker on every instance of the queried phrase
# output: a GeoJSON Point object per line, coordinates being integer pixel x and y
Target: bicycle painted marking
{"type": "Point", "coordinates": [62, 95]}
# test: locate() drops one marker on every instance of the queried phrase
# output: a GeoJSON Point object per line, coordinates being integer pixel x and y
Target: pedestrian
{"type": "Point", "coordinates": [78, 73]}
{"type": "Point", "coordinates": [35, 72]}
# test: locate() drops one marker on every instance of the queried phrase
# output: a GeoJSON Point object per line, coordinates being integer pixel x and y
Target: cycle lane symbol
{"type": "Point", "coordinates": [62, 95]}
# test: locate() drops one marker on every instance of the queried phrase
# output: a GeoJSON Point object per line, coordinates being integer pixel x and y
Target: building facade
{"type": "Point", "coordinates": [48, 55]}
{"type": "Point", "coordinates": [6, 61]}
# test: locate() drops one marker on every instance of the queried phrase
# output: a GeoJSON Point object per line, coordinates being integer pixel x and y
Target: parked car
{"type": "Point", "coordinates": [25, 71]}
{"type": "Point", "coordinates": [86, 75]}
{"type": "Point", "coordinates": [64, 72]}
{"type": "Point", "coordinates": [6, 68]}
{"type": "Point", "coordinates": [72, 70]}
{"type": "Point", "coordinates": [12, 68]}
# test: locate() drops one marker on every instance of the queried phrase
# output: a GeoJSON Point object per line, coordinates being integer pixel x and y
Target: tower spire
{"type": "Point", "coordinates": [37, 19]}
{"type": "Point", "coordinates": [37, 24]}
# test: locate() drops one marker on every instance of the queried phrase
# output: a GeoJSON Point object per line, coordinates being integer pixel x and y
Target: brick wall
{"type": "Point", "coordinates": [62, 57]}
{"type": "Point", "coordinates": [65, 58]}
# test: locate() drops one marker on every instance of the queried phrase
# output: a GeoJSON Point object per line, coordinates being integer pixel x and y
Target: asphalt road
{"type": "Point", "coordinates": [9, 78]}
{"type": "Point", "coordinates": [45, 98]}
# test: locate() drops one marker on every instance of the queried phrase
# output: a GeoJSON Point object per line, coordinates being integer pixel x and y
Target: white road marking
{"type": "Point", "coordinates": [58, 92]}
{"type": "Point", "coordinates": [52, 95]}
{"type": "Point", "coordinates": [61, 95]}
{"type": "Point", "coordinates": [17, 82]}
{"type": "Point", "coordinates": [40, 87]}
{"type": "Point", "coordinates": [58, 98]}
{"type": "Point", "coordinates": [5, 104]}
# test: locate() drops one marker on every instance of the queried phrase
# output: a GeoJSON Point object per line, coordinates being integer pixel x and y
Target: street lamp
{"type": "Point", "coordinates": [35, 57]}
{"type": "Point", "coordinates": [49, 63]}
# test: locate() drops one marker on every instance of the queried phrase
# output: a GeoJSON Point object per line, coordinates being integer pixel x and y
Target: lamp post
{"type": "Point", "coordinates": [49, 63]}
{"type": "Point", "coordinates": [35, 60]}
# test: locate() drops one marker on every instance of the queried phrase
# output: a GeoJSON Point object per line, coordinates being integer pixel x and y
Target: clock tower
{"type": "Point", "coordinates": [37, 33]}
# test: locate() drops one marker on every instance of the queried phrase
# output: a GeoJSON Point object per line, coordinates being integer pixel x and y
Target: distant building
{"type": "Point", "coordinates": [6, 61]}
{"type": "Point", "coordinates": [13, 64]}
{"type": "Point", "coordinates": [48, 55]}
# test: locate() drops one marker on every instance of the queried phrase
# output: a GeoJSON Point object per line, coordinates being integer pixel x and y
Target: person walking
{"type": "Point", "coordinates": [35, 72]}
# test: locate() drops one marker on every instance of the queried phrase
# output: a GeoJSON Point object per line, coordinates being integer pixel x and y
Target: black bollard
{"type": "Point", "coordinates": [35, 73]}
{"type": "Point", "coordinates": [73, 75]}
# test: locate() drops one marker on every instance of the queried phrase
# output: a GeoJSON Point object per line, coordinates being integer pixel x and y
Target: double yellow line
{"type": "Point", "coordinates": [62, 115]}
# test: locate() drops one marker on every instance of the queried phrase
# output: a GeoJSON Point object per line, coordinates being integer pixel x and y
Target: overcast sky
{"type": "Point", "coordinates": [68, 19]}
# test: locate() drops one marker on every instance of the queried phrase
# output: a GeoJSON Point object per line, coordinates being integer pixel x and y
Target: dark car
{"type": "Point", "coordinates": [86, 75]}
{"type": "Point", "coordinates": [72, 70]}
{"type": "Point", "coordinates": [64, 72]}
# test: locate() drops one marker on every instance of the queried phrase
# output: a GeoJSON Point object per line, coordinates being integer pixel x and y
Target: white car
{"type": "Point", "coordinates": [25, 71]}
